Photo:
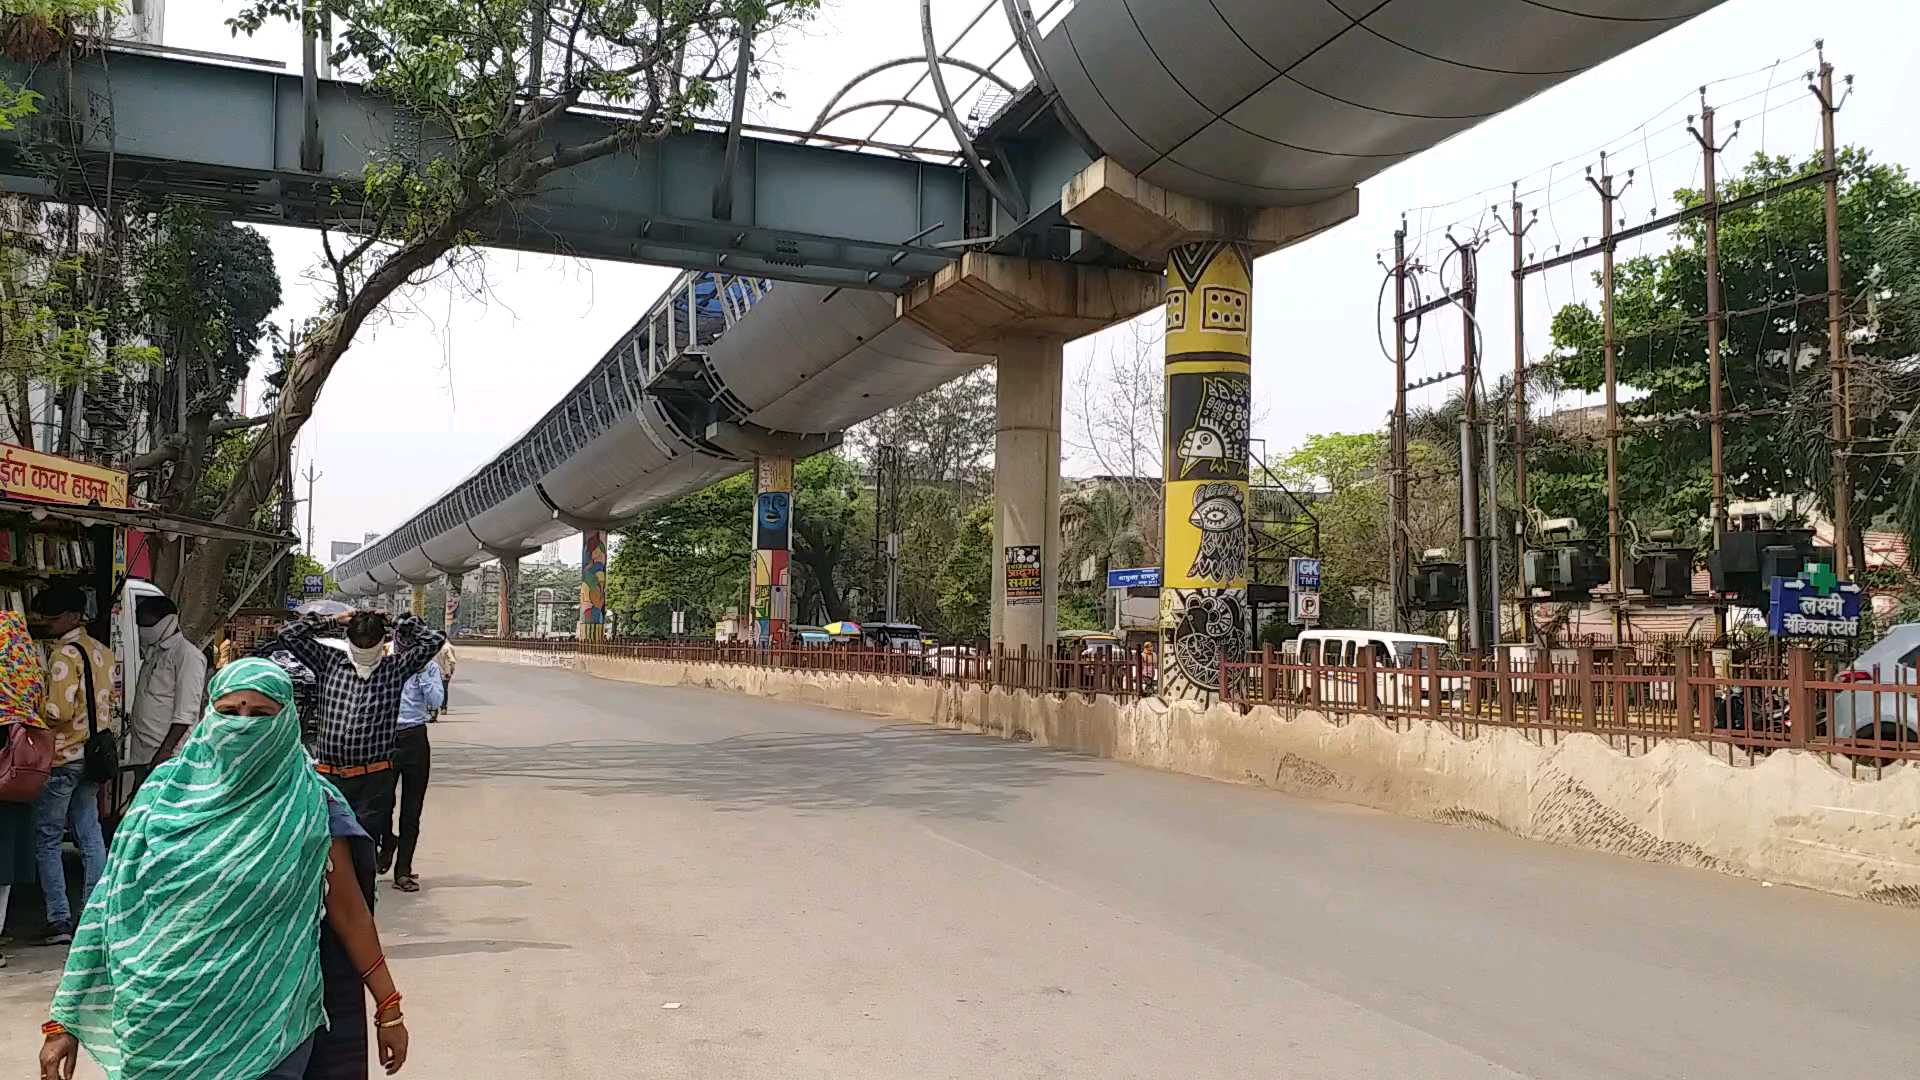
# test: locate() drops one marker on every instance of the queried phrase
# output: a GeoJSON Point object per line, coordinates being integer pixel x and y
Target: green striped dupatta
{"type": "Point", "coordinates": [198, 956]}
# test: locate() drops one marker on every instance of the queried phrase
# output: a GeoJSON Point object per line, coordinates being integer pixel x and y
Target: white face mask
{"type": "Point", "coordinates": [153, 635]}
{"type": "Point", "coordinates": [365, 657]}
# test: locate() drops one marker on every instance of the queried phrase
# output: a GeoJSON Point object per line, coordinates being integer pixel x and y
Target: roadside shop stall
{"type": "Point", "coordinates": [71, 522]}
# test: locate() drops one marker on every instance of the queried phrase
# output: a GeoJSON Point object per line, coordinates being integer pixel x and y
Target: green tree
{"type": "Point", "coordinates": [493, 79]}
{"type": "Point", "coordinates": [203, 290]}
{"type": "Point", "coordinates": [1773, 267]}
{"type": "Point", "coordinates": [694, 553]}
{"type": "Point", "coordinates": [965, 581]}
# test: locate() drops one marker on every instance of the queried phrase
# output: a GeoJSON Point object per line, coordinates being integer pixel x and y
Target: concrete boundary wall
{"type": "Point", "coordinates": [1792, 818]}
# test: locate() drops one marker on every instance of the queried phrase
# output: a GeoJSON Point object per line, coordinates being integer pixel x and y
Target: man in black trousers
{"type": "Point", "coordinates": [359, 699]}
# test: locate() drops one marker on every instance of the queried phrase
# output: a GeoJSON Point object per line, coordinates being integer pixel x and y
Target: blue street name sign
{"type": "Point", "coordinates": [1144, 577]}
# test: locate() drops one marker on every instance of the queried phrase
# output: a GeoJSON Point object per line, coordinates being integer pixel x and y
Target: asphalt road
{"type": "Point", "coordinates": [633, 882]}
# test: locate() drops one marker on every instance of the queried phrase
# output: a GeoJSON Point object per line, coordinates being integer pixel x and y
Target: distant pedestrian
{"type": "Point", "coordinates": [78, 704]}
{"type": "Point", "coordinates": [413, 760]}
{"type": "Point", "coordinates": [446, 661]}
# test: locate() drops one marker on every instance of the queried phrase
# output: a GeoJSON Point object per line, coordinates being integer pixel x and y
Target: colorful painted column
{"type": "Point", "coordinates": [454, 584]}
{"type": "Point", "coordinates": [593, 585]}
{"type": "Point", "coordinates": [509, 586]}
{"type": "Point", "coordinates": [772, 549]}
{"type": "Point", "coordinates": [1203, 601]}
{"type": "Point", "coordinates": [419, 605]}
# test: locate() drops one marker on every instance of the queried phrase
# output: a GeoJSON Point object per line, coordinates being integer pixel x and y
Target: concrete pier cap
{"type": "Point", "coordinates": [982, 298]}
{"type": "Point", "coordinates": [1022, 312]}
{"type": "Point", "coordinates": [1147, 222]}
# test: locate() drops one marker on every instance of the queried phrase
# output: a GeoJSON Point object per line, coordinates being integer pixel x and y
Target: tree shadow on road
{"type": "Point", "coordinates": [906, 767]}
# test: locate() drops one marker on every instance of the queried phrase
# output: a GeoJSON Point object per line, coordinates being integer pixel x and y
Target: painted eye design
{"type": "Point", "coordinates": [1217, 513]}
{"type": "Point", "coordinates": [1201, 443]}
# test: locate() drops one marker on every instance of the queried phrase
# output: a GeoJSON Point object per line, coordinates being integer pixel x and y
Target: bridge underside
{"type": "Point", "coordinates": [808, 213]}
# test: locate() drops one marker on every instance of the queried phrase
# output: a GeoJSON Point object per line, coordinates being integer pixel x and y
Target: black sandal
{"type": "Point", "coordinates": [407, 883]}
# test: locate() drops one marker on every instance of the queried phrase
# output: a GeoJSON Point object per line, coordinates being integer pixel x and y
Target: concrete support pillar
{"type": "Point", "coordinates": [419, 601]}
{"type": "Point", "coordinates": [772, 549]}
{"type": "Point", "coordinates": [455, 582]}
{"type": "Point", "coordinates": [1021, 312]}
{"type": "Point", "coordinates": [1026, 492]}
{"type": "Point", "coordinates": [593, 585]}
{"type": "Point", "coordinates": [1209, 250]}
{"type": "Point", "coordinates": [509, 587]}
{"type": "Point", "coordinates": [1203, 599]}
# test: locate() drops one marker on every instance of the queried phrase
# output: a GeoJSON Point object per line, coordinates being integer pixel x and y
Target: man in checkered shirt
{"type": "Point", "coordinates": [359, 699]}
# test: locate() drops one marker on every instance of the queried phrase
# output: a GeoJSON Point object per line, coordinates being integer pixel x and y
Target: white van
{"type": "Point", "coordinates": [1396, 658]}
{"type": "Point", "coordinates": [126, 634]}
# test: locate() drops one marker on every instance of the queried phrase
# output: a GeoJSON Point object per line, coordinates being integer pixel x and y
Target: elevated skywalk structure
{"type": "Point", "coordinates": [684, 398]}
{"type": "Point", "coordinates": [827, 284]}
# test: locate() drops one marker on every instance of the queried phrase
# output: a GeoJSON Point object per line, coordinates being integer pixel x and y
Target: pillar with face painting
{"type": "Point", "coordinates": [772, 549]}
{"type": "Point", "coordinates": [1209, 373]}
{"type": "Point", "coordinates": [593, 585]}
{"type": "Point", "coordinates": [455, 582]}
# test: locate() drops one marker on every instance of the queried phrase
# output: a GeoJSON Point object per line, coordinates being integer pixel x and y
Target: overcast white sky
{"type": "Point", "coordinates": [443, 384]}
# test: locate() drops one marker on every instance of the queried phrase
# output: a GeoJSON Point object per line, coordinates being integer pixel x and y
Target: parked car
{"type": "Point", "coordinates": [1864, 714]}
{"type": "Point", "coordinates": [1396, 661]}
{"type": "Point", "coordinates": [951, 661]}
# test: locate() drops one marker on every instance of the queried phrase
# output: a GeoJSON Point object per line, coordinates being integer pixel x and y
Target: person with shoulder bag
{"type": "Point", "coordinates": [26, 753]}
{"type": "Point", "coordinates": [79, 711]}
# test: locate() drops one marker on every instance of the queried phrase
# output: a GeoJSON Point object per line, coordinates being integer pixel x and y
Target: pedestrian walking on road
{"type": "Point", "coordinates": [78, 705]}
{"type": "Point", "coordinates": [446, 660]}
{"type": "Point", "coordinates": [200, 954]}
{"type": "Point", "coordinates": [359, 699]}
{"type": "Point", "coordinates": [413, 761]}
{"type": "Point", "coordinates": [23, 691]}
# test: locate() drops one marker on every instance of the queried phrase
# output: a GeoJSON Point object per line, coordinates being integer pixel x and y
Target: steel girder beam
{"type": "Point", "coordinates": [229, 136]}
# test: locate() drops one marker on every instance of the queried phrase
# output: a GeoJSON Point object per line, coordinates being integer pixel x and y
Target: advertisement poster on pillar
{"type": "Point", "coordinates": [773, 521]}
{"type": "Point", "coordinates": [1023, 574]}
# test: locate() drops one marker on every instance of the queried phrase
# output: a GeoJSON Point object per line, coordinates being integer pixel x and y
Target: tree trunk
{"type": "Point", "coordinates": [198, 591]}
{"type": "Point", "coordinates": [821, 566]}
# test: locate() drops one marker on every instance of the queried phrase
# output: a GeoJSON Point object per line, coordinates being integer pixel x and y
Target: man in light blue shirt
{"type": "Point", "coordinates": [413, 762]}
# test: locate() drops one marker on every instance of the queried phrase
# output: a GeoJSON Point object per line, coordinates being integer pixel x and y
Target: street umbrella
{"type": "Point", "coordinates": [843, 629]}
{"type": "Point", "coordinates": [323, 607]}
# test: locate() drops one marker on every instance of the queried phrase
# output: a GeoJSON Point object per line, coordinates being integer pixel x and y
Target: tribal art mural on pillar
{"type": "Point", "coordinates": [1208, 626]}
{"type": "Point", "coordinates": [1209, 409]}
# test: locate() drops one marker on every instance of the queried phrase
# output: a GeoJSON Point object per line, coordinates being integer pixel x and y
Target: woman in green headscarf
{"type": "Point", "coordinates": [198, 955]}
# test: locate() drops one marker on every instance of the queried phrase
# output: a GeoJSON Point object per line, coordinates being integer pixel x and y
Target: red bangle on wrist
{"type": "Point", "coordinates": [52, 1028]}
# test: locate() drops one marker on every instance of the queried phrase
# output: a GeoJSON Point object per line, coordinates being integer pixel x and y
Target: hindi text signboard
{"type": "Point", "coordinates": [1813, 605]}
{"type": "Point", "coordinates": [29, 474]}
{"type": "Point", "coordinates": [1143, 577]}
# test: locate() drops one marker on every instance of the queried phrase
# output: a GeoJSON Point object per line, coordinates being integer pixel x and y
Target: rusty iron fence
{"type": "Point", "coordinates": [1118, 673]}
{"type": "Point", "coordinates": [1745, 707]}
{"type": "Point", "coordinates": [1742, 705]}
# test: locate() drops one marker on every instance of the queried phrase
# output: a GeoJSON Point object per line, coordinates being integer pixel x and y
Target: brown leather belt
{"type": "Point", "coordinates": [348, 772]}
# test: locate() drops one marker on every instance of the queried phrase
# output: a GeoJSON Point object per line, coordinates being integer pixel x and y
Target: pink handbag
{"type": "Point", "coordinates": [25, 761]}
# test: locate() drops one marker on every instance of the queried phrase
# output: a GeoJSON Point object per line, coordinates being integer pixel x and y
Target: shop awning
{"type": "Point", "coordinates": [155, 521]}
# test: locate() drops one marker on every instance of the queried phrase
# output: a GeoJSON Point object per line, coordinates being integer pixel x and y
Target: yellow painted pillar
{"type": "Point", "coordinates": [419, 600]}
{"type": "Point", "coordinates": [1209, 395]}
